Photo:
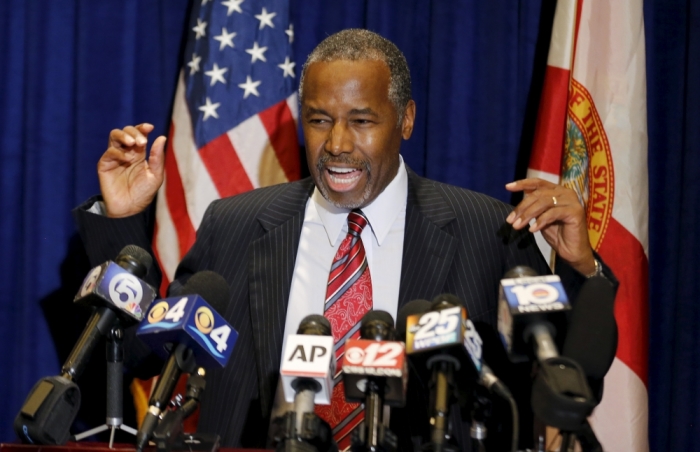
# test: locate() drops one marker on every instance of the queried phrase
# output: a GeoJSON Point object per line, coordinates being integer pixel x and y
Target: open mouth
{"type": "Point", "coordinates": [342, 179]}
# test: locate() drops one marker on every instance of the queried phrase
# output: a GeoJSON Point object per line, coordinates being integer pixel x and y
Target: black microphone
{"type": "Point", "coordinates": [375, 372]}
{"type": "Point", "coordinates": [118, 293]}
{"type": "Point", "coordinates": [529, 307]}
{"type": "Point", "coordinates": [439, 334]}
{"type": "Point", "coordinates": [190, 333]}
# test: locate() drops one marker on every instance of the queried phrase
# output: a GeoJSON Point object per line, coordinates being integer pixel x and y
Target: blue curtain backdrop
{"type": "Point", "coordinates": [73, 70]}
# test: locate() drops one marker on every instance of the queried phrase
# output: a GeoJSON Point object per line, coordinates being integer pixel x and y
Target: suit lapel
{"type": "Point", "coordinates": [428, 250]}
{"type": "Point", "coordinates": [271, 266]}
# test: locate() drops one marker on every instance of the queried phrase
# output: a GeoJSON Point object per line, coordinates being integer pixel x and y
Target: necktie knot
{"type": "Point", "coordinates": [357, 221]}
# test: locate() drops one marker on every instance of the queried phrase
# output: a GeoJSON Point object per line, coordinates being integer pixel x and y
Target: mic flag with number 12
{"type": "Point", "coordinates": [591, 136]}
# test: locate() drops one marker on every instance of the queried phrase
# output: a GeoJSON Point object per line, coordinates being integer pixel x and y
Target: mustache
{"type": "Point", "coordinates": [330, 160]}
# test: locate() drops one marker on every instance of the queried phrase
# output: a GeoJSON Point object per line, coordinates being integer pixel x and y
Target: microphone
{"type": "Point", "coordinates": [308, 368]}
{"type": "Point", "coordinates": [118, 293]}
{"type": "Point", "coordinates": [439, 334]}
{"type": "Point", "coordinates": [188, 333]}
{"type": "Point", "coordinates": [375, 372]}
{"type": "Point", "coordinates": [529, 306]}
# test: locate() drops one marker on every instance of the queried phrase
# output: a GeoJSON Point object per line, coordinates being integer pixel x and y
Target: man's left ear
{"type": "Point", "coordinates": [408, 118]}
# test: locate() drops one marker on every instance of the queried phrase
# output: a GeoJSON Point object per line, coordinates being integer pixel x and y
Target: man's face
{"type": "Point", "coordinates": [352, 141]}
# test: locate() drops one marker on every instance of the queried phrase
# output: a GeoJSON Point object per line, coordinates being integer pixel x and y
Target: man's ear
{"type": "Point", "coordinates": [408, 117]}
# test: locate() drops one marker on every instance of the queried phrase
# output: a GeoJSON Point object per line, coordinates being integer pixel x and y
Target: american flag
{"type": "Point", "coordinates": [234, 117]}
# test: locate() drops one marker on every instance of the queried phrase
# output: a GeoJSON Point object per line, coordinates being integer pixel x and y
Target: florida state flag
{"type": "Point", "coordinates": [592, 136]}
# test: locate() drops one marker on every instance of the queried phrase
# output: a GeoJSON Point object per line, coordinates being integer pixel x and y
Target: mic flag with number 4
{"type": "Point", "coordinates": [591, 136]}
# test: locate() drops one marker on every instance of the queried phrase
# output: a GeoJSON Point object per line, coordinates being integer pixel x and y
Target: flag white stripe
{"type": "Point", "coordinates": [617, 83]}
{"type": "Point", "coordinates": [629, 405]}
{"type": "Point", "coordinates": [166, 241]}
{"type": "Point", "coordinates": [199, 188]}
{"type": "Point", "coordinates": [293, 104]}
{"type": "Point", "coordinates": [562, 42]}
{"type": "Point", "coordinates": [251, 136]}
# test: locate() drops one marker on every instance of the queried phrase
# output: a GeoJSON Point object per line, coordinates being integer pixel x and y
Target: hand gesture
{"type": "Point", "coordinates": [559, 215]}
{"type": "Point", "coordinates": [128, 181]}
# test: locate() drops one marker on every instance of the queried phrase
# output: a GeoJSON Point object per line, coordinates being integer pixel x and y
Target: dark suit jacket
{"type": "Point", "coordinates": [456, 241]}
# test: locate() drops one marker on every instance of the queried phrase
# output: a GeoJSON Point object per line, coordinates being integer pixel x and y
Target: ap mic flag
{"type": "Point", "coordinates": [591, 136]}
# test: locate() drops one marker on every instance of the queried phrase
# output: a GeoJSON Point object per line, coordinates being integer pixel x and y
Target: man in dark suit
{"type": "Point", "coordinates": [355, 110]}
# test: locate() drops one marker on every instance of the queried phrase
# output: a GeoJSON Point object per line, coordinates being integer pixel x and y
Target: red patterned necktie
{"type": "Point", "coordinates": [348, 299]}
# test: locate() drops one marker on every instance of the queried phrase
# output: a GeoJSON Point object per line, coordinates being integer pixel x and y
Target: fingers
{"type": "Point", "coordinates": [540, 205]}
{"type": "Point", "coordinates": [130, 136]}
{"type": "Point", "coordinates": [528, 185]}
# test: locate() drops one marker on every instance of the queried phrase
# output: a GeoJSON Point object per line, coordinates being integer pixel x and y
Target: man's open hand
{"type": "Point", "coordinates": [128, 181]}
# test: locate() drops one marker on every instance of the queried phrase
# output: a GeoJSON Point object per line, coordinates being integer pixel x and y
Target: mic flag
{"type": "Point", "coordinates": [117, 285]}
{"type": "Point", "coordinates": [365, 358]}
{"type": "Point", "coordinates": [525, 301]}
{"type": "Point", "coordinates": [311, 357]}
{"type": "Point", "coordinates": [190, 321]}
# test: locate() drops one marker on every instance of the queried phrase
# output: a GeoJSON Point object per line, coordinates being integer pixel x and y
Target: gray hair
{"type": "Point", "coordinates": [356, 44]}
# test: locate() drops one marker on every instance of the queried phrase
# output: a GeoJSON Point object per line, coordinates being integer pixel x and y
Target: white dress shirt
{"type": "Point", "coordinates": [324, 228]}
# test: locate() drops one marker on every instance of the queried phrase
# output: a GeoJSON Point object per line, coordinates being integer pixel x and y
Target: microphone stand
{"type": "Point", "coordinates": [115, 388]}
{"type": "Point", "coordinates": [481, 410]}
{"type": "Point", "coordinates": [561, 398]}
{"type": "Point", "coordinates": [372, 435]}
{"type": "Point", "coordinates": [301, 430]}
{"type": "Point", "coordinates": [169, 434]}
{"type": "Point", "coordinates": [443, 366]}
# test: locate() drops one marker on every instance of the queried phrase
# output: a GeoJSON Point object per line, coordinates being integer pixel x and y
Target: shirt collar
{"type": "Point", "coordinates": [380, 213]}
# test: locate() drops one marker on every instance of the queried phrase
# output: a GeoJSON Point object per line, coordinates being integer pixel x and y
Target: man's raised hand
{"type": "Point", "coordinates": [128, 180]}
{"type": "Point", "coordinates": [559, 215]}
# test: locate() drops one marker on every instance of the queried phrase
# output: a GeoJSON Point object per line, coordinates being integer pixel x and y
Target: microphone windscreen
{"type": "Point", "coordinates": [315, 324]}
{"type": "Point", "coordinates": [411, 308]}
{"type": "Point", "coordinates": [444, 301]}
{"type": "Point", "coordinates": [520, 271]}
{"type": "Point", "coordinates": [378, 316]}
{"type": "Point", "coordinates": [591, 340]}
{"type": "Point", "coordinates": [378, 326]}
{"type": "Point", "coordinates": [211, 286]}
{"type": "Point", "coordinates": [139, 254]}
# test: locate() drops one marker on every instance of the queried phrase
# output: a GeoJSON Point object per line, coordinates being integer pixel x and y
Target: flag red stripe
{"type": "Point", "coordinates": [282, 130]}
{"type": "Point", "coordinates": [175, 195]}
{"type": "Point", "coordinates": [225, 167]}
{"type": "Point", "coordinates": [625, 255]}
{"type": "Point", "coordinates": [551, 122]}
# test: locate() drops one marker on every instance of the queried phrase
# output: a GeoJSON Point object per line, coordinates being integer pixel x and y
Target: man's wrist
{"type": "Point", "coordinates": [598, 269]}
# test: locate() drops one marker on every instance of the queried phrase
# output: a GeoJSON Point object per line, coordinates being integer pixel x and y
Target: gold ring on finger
{"type": "Point", "coordinates": [554, 200]}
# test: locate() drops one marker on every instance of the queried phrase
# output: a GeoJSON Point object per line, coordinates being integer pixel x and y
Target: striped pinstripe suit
{"type": "Point", "coordinates": [456, 241]}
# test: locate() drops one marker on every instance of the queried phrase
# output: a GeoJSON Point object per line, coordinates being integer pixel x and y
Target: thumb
{"type": "Point", "coordinates": [156, 161]}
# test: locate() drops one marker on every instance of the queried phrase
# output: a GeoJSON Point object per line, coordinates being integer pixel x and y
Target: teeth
{"type": "Point", "coordinates": [341, 170]}
{"type": "Point", "coordinates": [344, 180]}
